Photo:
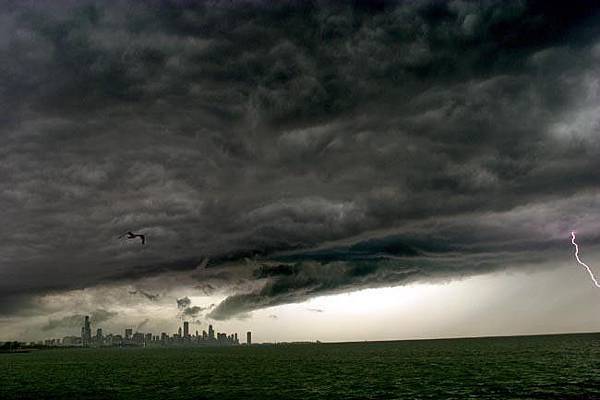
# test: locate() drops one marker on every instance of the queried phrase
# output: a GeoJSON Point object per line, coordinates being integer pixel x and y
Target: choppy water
{"type": "Point", "coordinates": [535, 367]}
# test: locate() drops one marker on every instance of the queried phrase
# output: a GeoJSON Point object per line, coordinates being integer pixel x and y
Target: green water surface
{"type": "Point", "coordinates": [535, 367]}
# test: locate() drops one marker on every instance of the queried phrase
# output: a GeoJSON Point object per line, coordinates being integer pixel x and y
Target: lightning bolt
{"type": "Point", "coordinates": [581, 262]}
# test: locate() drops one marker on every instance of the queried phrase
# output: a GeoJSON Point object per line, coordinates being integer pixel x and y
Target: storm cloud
{"type": "Point", "coordinates": [183, 303]}
{"type": "Point", "coordinates": [195, 311]}
{"type": "Point", "coordinates": [304, 148]}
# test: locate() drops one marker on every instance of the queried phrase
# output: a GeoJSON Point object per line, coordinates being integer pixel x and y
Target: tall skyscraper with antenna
{"type": "Point", "coordinates": [86, 332]}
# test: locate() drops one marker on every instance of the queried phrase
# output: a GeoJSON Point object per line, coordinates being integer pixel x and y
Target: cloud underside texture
{"type": "Point", "coordinates": [322, 147]}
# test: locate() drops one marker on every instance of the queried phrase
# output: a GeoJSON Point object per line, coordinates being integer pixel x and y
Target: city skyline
{"type": "Point", "coordinates": [133, 337]}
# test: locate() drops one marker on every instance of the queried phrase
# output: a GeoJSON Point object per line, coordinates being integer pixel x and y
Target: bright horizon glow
{"type": "Point", "coordinates": [482, 305]}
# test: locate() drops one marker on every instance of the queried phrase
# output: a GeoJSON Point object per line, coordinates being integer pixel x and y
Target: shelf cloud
{"type": "Point", "coordinates": [274, 152]}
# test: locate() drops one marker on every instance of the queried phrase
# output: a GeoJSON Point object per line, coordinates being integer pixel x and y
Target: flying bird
{"type": "Point", "coordinates": [131, 235]}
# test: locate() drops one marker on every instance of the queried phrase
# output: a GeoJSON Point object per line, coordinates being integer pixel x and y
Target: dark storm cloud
{"type": "Point", "coordinates": [448, 250]}
{"type": "Point", "coordinates": [184, 303]}
{"type": "Point", "coordinates": [335, 146]}
{"type": "Point", "coordinates": [433, 250]}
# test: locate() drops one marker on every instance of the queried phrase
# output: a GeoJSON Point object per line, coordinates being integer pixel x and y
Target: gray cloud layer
{"type": "Point", "coordinates": [334, 146]}
{"type": "Point", "coordinates": [149, 296]}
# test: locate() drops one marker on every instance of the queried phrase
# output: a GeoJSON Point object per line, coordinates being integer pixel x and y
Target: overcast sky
{"type": "Point", "coordinates": [300, 166]}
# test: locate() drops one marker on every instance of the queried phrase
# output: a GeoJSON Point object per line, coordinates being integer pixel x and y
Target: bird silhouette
{"type": "Point", "coordinates": [131, 235]}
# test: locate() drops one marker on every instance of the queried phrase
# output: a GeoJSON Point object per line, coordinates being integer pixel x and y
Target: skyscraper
{"type": "Point", "coordinates": [186, 329]}
{"type": "Point", "coordinates": [211, 333]}
{"type": "Point", "coordinates": [249, 338]}
{"type": "Point", "coordinates": [86, 332]}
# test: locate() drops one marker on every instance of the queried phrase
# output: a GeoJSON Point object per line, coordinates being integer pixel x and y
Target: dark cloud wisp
{"type": "Point", "coordinates": [76, 320]}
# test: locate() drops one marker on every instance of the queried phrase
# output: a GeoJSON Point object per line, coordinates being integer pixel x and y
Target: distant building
{"type": "Point", "coordinates": [99, 336]}
{"type": "Point", "coordinates": [71, 341]}
{"type": "Point", "coordinates": [128, 333]}
{"type": "Point", "coordinates": [86, 332]}
{"type": "Point", "coordinates": [248, 338]}
{"type": "Point", "coordinates": [211, 333]}
{"type": "Point", "coordinates": [138, 338]}
{"type": "Point", "coordinates": [186, 329]}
